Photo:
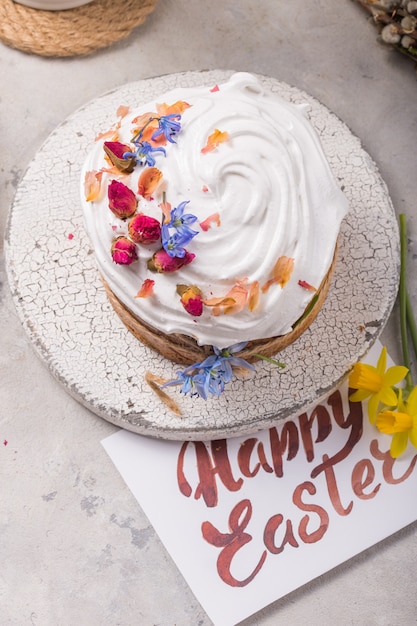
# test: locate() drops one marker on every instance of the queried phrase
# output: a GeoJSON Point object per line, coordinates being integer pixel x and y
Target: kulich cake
{"type": "Point", "coordinates": [214, 219]}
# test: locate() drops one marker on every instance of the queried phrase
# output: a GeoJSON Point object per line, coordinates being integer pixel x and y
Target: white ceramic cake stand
{"type": "Point", "coordinates": [64, 309]}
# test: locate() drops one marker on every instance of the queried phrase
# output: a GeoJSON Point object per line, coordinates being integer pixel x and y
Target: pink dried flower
{"type": "Point", "coordinates": [191, 299]}
{"type": "Point", "coordinates": [115, 151]}
{"type": "Point", "coordinates": [123, 251]}
{"type": "Point", "coordinates": [161, 262]}
{"type": "Point", "coordinates": [144, 229]}
{"type": "Point", "coordinates": [122, 200]}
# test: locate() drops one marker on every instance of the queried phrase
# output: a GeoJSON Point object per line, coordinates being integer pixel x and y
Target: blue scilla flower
{"type": "Point", "coordinates": [144, 153]}
{"type": "Point", "coordinates": [177, 233]}
{"type": "Point", "coordinates": [169, 126]}
{"type": "Point", "coordinates": [173, 243]}
{"type": "Point", "coordinates": [229, 360]}
{"type": "Point", "coordinates": [181, 221]}
{"type": "Point", "coordinates": [190, 383]}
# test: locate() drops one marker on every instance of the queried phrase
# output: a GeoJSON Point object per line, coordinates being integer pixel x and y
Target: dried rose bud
{"type": "Point", "coordinates": [122, 200]}
{"type": "Point", "coordinates": [115, 151]}
{"type": "Point", "coordinates": [144, 229]}
{"type": "Point", "coordinates": [123, 251]}
{"type": "Point", "coordinates": [191, 299]}
{"type": "Point", "coordinates": [161, 262]}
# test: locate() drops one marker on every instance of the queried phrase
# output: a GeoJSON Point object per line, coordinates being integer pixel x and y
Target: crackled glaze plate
{"type": "Point", "coordinates": [63, 306]}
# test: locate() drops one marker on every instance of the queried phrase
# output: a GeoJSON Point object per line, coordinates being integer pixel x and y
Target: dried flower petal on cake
{"type": "Point", "coordinates": [166, 209]}
{"type": "Point", "coordinates": [144, 229]}
{"type": "Point", "coordinates": [117, 152]}
{"type": "Point", "coordinates": [112, 133]}
{"type": "Point", "coordinates": [144, 126]}
{"type": "Point", "coordinates": [209, 221]}
{"type": "Point", "coordinates": [147, 288]}
{"type": "Point", "coordinates": [92, 185]}
{"type": "Point", "coordinates": [162, 262]}
{"type": "Point", "coordinates": [281, 273]}
{"type": "Point", "coordinates": [233, 302]}
{"type": "Point", "coordinates": [123, 251]}
{"type": "Point", "coordinates": [122, 200]}
{"type": "Point", "coordinates": [191, 299]}
{"type": "Point", "coordinates": [149, 181]}
{"type": "Point", "coordinates": [216, 138]}
{"type": "Point", "coordinates": [305, 285]}
{"type": "Point", "coordinates": [254, 296]}
{"type": "Point", "coordinates": [168, 109]}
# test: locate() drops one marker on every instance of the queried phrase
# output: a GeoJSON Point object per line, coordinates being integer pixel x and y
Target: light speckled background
{"type": "Point", "coordinates": [76, 548]}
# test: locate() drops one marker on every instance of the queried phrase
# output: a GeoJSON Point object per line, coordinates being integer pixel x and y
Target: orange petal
{"type": "Point", "coordinates": [140, 120]}
{"type": "Point", "coordinates": [147, 288]}
{"type": "Point", "coordinates": [283, 269]}
{"type": "Point", "coordinates": [216, 138]}
{"type": "Point", "coordinates": [211, 219]}
{"type": "Point", "coordinates": [149, 131]}
{"type": "Point", "coordinates": [109, 135]}
{"type": "Point", "coordinates": [92, 185]}
{"type": "Point", "coordinates": [149, 181]}
{"type": "Point", "coordinates": [233, 302]}
{"type": "Point", "coordinates": [176, 108]}
{"type": "Point", "coordinates": [281, 273]}
{"type": "Point", "coordinates": [166, 210]}
{"type": "Point", "coordinates": [254, 296]}
{"type": "Point", "coordinates": [122, 111]}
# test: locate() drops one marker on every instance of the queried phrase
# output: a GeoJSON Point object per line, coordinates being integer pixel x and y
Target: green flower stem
{"type": "Point", "coordinates": [267, 358]}
{"type": "Point", "coordinates": [411, 323]}
{"type": "Point", "coordinates": [403, 298]}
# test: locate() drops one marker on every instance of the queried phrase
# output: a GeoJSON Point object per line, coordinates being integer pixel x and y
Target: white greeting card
{"type": "Point", "coordinates": [247, 520]}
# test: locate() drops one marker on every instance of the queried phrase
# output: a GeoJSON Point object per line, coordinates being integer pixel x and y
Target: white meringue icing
{"type": "Point", "coordinates": [275, 195]}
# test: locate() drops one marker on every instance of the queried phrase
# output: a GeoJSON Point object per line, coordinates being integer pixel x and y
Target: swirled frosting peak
{"type": "Point", "coordinates": [222, 209]}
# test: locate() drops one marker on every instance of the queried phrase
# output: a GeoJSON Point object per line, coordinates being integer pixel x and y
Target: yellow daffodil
{"type": "Point", "coordinates": [401, 424]}
{"type": "Point", "coordinates": [376, 384]}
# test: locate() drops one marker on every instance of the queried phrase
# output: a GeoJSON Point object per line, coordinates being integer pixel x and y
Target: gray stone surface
{"type": "Point", "coordinates": [76, 548]}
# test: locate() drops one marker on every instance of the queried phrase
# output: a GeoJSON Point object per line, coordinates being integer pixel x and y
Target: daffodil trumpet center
{"type": "Point", "coordinates": [390, 422]}
{"type": "Point", "coordinates": [363, 377]}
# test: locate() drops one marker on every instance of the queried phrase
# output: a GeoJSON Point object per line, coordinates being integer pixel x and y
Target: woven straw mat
{"type": "Point", "coordinates": [72, 32]}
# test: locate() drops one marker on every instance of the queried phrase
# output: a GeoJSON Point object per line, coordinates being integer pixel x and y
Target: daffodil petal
{"type": "Point", "coordinates": [413, 433]}
{"type": "Point", "coordinates": [388, 396]}
{"type": "Point", "coordinates": [412, 402]}
{"type": "Point", "coordinates": [394, 375]}
{"type": "Point", "coordinates": [359, 395]}
{"type": "Point", "coordinates": [373, 408]}
{"type": "Point", "coordinates": [382, 361]}
{"type": "Point", "coordinates": [398, 444]}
